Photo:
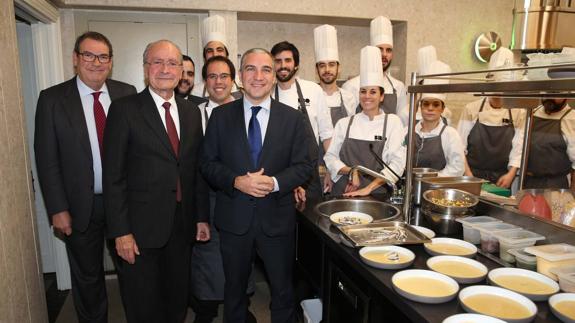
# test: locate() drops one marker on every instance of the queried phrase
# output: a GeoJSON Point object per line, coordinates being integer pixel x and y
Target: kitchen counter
{"type": "Point", "coordinates": [342, 279]}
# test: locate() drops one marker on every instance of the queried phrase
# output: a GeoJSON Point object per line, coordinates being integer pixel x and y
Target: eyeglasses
{"type": "Point", "coordinates": [222, 77]}
{"type": "Point", "coordinates": [91, 57]}
{"type": "Point", "coordinates": [159, 63]}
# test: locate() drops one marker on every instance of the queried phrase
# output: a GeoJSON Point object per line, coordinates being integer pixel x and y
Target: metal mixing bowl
{"type": "Point", "coordinates": [449, 195]}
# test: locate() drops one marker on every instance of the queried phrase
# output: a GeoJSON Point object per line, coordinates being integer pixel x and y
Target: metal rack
{"type": "Point", "coordinates": [518, 90]}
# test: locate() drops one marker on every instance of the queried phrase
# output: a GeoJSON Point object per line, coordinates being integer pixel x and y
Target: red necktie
{"type": "Point", "coordinates": [173, 135]}
{"type": "Point", "coordinates": [100, 118]}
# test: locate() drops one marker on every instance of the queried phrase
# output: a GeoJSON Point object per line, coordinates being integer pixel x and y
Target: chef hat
{"type": "Point", "coordinates": [436, 67]}
{"type": "Point", "coordinates": [502, 58]}
{"type": "Point", "coordinates": [381, 31]}
{"type": "Point", "coordinates": [425, 56]}
{"type": "Point", "coordinates": [325, 40]}
{"type": "Point", "coordinates": [370, 67]}
{"type": "Point", "coordinates": [213, 29]}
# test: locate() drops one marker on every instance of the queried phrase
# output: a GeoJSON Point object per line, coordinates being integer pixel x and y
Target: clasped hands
{"type": "Point", "coordinates": [255, 184]}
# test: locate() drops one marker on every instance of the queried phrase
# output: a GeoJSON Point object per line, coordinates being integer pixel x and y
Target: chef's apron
{"type": "Point", "coordinates": [429, 152]}
{"type": "Point", "coordinates": [488, 148]}
{"type": "Point", "coordinates": [548, 164]}
{"type": "Point", "coordinates": [357, 152]}
{"type": "Point", "coordinates": [338, 112]}
{"type": "Point", "coordinates": [313, 187]}
{"type": "Point", "coordinates": [389, 104]}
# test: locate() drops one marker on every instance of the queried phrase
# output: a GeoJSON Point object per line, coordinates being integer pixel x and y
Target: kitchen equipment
{"type": "Point", "coordinates": [448, 201]}
{"type": "Point", "coordinates": [418, 175]}
{"type": "Point", "coordinates": [566, 275]}
{"type": "Point", "coordinates": [350, 217]}
{"type": "Point", "coordinates": [469, 184]}
{"type": "Point", "coordinates": [450, 247]}
{"type": "Point", "coordinates": [552, 256]}
{"type": "Point", "coordinates": [445, 223]}
{"type": "Point", "coordinates": [427, 232]}
{"type": "Point", "coordinates": [462, 269]}
{"type": "Point", "coordinates": [471, 318]}
{"type": "Point", "coordinates": [381, 233]}
{"type": "Point", "coordinates": [523, 259]}
{"type": "Point", "coordinates": [470, 233]}
{"type": "Point", "coordinates": [424, 286]}
{"type": "Point", "coordinates": [514, 240]}
{"type": "Point", "coordinates": [387, 257]}
{"type": "Point", "coordinates": [562, 306]}
{"type": "Point", "coordinates": [489, 243]}
{"type": "Point", "coordinates": [379, 211]}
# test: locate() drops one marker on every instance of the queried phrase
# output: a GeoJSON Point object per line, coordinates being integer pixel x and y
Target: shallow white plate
{"type": "Point", "coordinates": [428, 274]}
{"type": "Point", "coordinates": [410, 256]}
{"type": "Point", "coordinates": [501, 292]}
{"type": "Point", "coordinates": [426, 232]}
{"type": "Point", "coordinates": [450, 241]}
{"type": "Point", "coordinates": [463, 280]}
{"type": "Point", "coordinates": [553, 300]}
{"type": "Point", "coordinates": [471, 318]}
{"type": "Point", "coordinates": [524, 274]}
{"type": "Point", "coordinates": [359, 217]}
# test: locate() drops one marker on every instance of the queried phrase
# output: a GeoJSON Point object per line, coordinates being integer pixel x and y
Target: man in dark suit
{"type": "Point", "coordinates": [156, 201]}
{"type": "Point", "coordinates": [255, 154]}
{"type": "Point", "coordinates": [70, 120]}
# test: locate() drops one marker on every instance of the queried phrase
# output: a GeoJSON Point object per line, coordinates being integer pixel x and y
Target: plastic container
{"type": "Point", "coordinates": [552, 256]}
{"type": "Point", "coordinates": [470, 233]}
{"type": "Point", "coordinates": [312, 310]}
{"type": "Point", "coordinates": [566, 277]}
{"type": "Point", "coordinates": [514, 240]}
{"type": "Point", "coordinates": [489, 242]}
{"type": "Point", "coordinates": [523, 259]}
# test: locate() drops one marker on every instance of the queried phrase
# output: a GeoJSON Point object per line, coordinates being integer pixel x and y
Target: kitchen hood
{"type": "Point", "coordinates": [543, 25]}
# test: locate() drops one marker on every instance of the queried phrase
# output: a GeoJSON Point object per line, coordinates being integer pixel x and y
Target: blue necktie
{"type": "Point", "coordinates": [255, 136]}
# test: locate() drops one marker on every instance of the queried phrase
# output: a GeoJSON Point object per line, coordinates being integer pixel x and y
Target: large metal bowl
{"type": "Point", "coordinates": [450, 195]}
{"type": "Point", "coordinates": [379, 211]}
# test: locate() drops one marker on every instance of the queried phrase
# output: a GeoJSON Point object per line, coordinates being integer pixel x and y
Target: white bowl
{"type": "Point", "coordinates": [525, 275]}
{"type": "Point", "coordinates": [462, 280]}
{"type": "Point", "coordinates": [452, 242]}
{"type": "Point", "coordinates": [553, 300]}
{"type": "Point", "coordinates": [471, 318]}
{"type": "Point", "coordinates": [426, 232]}
{"type": "Point", "coordinates": [410, 256]}
{"type": "Point", "coordinates": [362, 218]}
{"type": "Point", "coordinates": [501, 292]}
{"type": "Point", "coordinates": [419, 296]}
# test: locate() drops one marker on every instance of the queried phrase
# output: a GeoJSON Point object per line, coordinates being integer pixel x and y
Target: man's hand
{"type": "Point", "coordinates": [505, 180]}
{"type": "Point", "coordinates": [255, 184]}
{"type": "Point", "coordinates": [203, 231]}
{"type": "Point", "coordinates": [62, 222]}
{"type": "Point", "coordinates": [327, 183]}
{"type": "Point", "coordinates": [299, 194]}
{"type": "Point", "coordinates": [127, 248]}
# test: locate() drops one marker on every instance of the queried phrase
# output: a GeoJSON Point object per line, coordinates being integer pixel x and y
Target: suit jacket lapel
{"type": "Point", "coordinates": [272, 135]}
{"type": "Point", "coordinates": [72, 105]}
{"type": "Point", "coordinates": [185, 125]}
{"type": "Point", "coordinates": [112, 91]}
{"type": "Point", "coordinates": [152, 117]}
{"type": "Point", "coordinates": [241, 131]}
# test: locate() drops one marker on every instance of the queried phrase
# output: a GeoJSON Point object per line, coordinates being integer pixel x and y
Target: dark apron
{"type": "Point", "coordinates": [548, 164]}
{"type": "Point", "coordinates": [356, 152]}
{"type": "Point", "coordinates": [313, 187]}
{"type": "Point", "coordinates": [488, 148]}
{"type": "Point", "coordinates": [429, 152]}
{"type": "Point", "coordinates": [338, 112]}
{"type": "Point", "coordinates": [389, 104]}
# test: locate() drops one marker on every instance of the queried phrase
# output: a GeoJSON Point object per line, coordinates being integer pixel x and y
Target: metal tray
{"type": "Point", "coordinates": [382, 233]}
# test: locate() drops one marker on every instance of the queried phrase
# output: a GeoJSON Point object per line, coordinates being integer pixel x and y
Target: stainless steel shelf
{"type": "Point", "coordinates": [533, 87]}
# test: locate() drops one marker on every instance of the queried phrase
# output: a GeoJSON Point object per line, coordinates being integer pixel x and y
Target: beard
{"type": "Point", "coordinates": [181, 93]}
{"type": "Point", "coordinates": [288, 77]}
{"type": "Point", "coordinates": [551, 106]}
{"type": "Point", "coordinates": [386, 67]}
{"type": "Point", "coordinates": [328, 78]}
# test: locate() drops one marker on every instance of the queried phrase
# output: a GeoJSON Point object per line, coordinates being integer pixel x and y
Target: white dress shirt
{"type": "Point", "coordinates": [207, 107]}
{"type": "Point", "coordinates": [452, 149]}
{"type": "Point", "coordinates": [352, 85]}
{"type": "Point", "coordinates": [362, 128]}
{"type": "Point", "coordinates": [317, 109]}
{"type": "Point", "coordinates": [349, 100]}
{"type": "Point", "coordinates": [493, 117]}
{"type": "Point", "coordinates": [162, 111]}
{"type": "Point", "coordinates": [567, 128]}
{"type": "Point", "coordinates": [88, 106]}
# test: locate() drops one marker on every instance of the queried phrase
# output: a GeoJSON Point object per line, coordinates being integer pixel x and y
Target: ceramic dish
{"type": "Point", "coordinates": [535, 286]}
{"type": "Point", "coordinates": [463, 270]}
{"type": "Point", "coordinates": [350, 218]}
{"type": "Point", "coordinates": [450, 247]}
{"type": "Point", "coordinates": [498, 302]}
{"type": "Point", "coordinates": [424, 286]}
{"type": "Point", "coordinates": [427, 232]}
{"type": "Point", "coordinates": [563, 306]}
{"type": "Point", "coordinates": [471, 318]}
{"type": "Point", "coordinates": [387, 257]}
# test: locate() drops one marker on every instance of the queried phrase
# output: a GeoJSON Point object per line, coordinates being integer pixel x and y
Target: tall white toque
{"type": "Point", "coordinates": [436, 67]}
{"type": "Point", "coordinates": [325, 41]}
{"type": "Point", "coordinates": [370, 67]}
{"type": "Point", "coordinates": [425, 56]}
{"type": "Point", "coordinates": [381, 31]}
{"type": "Point", "coordinates": [214, 29]}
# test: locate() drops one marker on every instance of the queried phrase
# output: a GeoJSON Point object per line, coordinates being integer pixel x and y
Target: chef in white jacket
{"type": "Point", "coordinates": [492, 135]}
{"type": "Point", "coordinates": [381, 36]}
{"type": "Point", "coordinates": [437, 145]}
{"type": "Point", "coordinates": [357, 138]}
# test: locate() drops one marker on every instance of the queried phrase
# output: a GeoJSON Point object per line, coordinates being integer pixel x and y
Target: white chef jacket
{"type": "Point", "coordinates": [452, 149]}
{"type": "Point", "coordinates": [493, 117]}
{"type": "Point", "coordinates": [403, 114]}
{"type": "Point", "coordinates": [567, 128]}
{"type": "Point", "coordinates": [362, 128]}
{"type": "Point", "coordinates": [349, 100]}
{"type": "Point", "coordinates": [317, 108]}
{"type": "Point", "coordinates": [352, 85]}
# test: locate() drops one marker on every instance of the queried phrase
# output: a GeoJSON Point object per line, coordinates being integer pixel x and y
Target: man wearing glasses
{"type": "Point", "coordinates": [68, 139]}
{"type": "Point", "coordinates": [156, 201]}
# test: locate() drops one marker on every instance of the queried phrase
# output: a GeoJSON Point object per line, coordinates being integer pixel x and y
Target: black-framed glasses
{"type": "Point", "coordinates": [91, 57]}
{"type": "Point", "coordinates": [214, 76]}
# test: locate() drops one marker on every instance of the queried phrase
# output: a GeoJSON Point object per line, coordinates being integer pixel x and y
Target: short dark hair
{"type": "Point", "coordinates": [283, 46]}
{"type": "Point", "coordinates": [94, 36]}
{"type": "Point", "coordinates": [214, 59]}
{"type": "Point", "coordinates": [225, 48]}
{"type": "Point", "coordinates": [189, 59]}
